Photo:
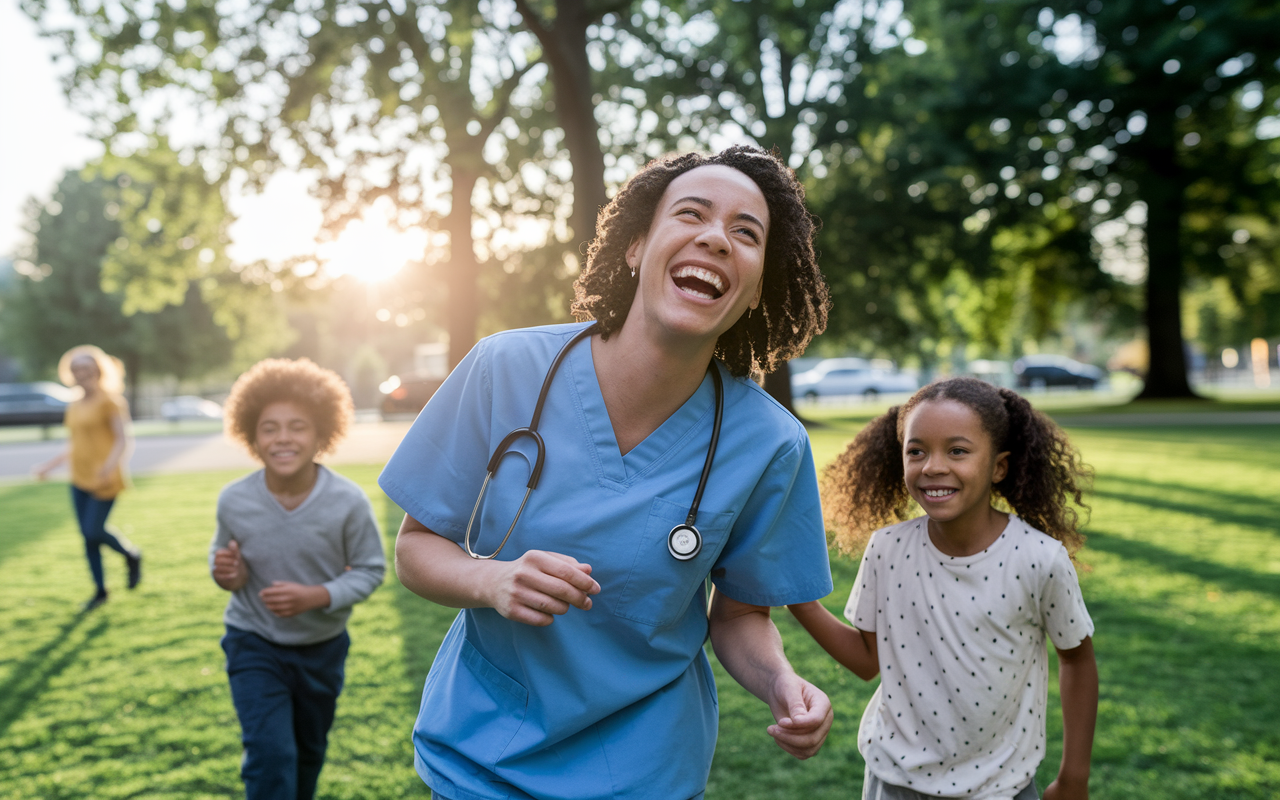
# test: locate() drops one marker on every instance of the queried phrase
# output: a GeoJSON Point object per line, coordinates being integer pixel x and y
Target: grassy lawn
{"type": "Point", "coordinates": [131, 701]}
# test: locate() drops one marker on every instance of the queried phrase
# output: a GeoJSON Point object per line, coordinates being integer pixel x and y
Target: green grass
{"type": "Point", "coordinates": [131, 700]}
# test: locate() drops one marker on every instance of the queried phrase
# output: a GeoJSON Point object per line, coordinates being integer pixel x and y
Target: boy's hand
{"type": "Point", "coordinates": [229, 570]}
{"type": "Point", "coordinates": [287, 599]}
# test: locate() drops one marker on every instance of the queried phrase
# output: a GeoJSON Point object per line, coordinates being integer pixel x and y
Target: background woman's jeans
{"type": "Point", "coordinates": [285, 697]}
{"type": "Point", "coordinates": [91, 512]}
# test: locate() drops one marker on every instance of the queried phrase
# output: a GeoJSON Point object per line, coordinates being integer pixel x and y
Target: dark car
{"type": "Point", "coordinates": [1039, 371]}
{"type": "Point", "coordinates": [40, 403]}
{"type": "Point", "coordinates": [407, 395]}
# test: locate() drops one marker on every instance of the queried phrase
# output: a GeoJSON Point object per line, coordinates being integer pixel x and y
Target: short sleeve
{"type": "Point", "coordinates": [777, 551]}
{"type": "Point", "coordinates": [1062, 611]}
{"type": "Point", "coordinates": [436, 472]}
{"type": "Point", "coordinates": [861, 608]}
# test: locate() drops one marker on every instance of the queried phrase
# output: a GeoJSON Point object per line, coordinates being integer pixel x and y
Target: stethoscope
{"type": "Point", "coordinates": [684, 542]}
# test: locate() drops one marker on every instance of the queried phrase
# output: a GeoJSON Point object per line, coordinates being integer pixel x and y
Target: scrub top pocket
{"type": "Point", "coordinates": [659, 588]}
{"type": "Point", "coordinates": [475, 707]}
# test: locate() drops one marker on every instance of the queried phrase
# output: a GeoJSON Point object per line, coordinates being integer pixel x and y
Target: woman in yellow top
{"type": "Point", "coordinates": [98, 440]}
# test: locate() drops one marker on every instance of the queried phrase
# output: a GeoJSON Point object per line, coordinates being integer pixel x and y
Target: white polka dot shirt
{"type": "Point", "coordinates": [963, 664]}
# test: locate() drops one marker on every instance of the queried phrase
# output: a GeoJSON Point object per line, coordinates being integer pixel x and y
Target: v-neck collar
{"type": "Point", "coordinates": [692, 419]}
{"type": "Point", "coordinates": [322, 477]}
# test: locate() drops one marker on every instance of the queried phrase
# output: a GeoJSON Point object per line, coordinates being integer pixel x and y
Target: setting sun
{"type": "Point", "coordinates": [371, 250]}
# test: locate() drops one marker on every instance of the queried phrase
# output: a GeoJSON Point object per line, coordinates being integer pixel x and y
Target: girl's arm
{"type": "Point", "coordinates": [854, 648]}
{"type": "Point", "coordinates": [42, 470]}
{"type": "Point", "coordinates": [750, 649]}
{"type": "Point", "coordinates": [1078, 685]}
{"type": "Point", "coordinates": [531, 589]}
{"type": "Point", "coordinates": [119, 429]}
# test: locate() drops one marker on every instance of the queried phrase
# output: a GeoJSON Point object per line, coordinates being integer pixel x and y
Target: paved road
{"type": "Point", "coordinates": [1155, 419]}
{"type": "Point", "coordinates": [367, 443]}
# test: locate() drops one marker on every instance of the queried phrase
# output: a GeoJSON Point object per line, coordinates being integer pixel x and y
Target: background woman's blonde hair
{"type": "Point", "coordinates": [110, 368]}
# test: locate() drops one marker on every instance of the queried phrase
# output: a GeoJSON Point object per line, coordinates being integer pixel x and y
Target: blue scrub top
{"type": "Point", "coordinates": [617, 701]}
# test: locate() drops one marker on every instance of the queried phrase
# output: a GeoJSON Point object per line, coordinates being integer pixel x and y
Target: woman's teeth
{"type": "Point", "coordinates": [699, 281]}
{"type": "Point", "coordinates": [939, 492]}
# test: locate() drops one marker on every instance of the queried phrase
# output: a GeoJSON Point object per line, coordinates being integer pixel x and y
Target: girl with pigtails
{"type": "Point", "coordinates": [952, 608]}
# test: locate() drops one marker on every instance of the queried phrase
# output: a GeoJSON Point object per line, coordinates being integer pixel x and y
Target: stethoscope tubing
{"type": "Point", "coordinates": [681, 548]}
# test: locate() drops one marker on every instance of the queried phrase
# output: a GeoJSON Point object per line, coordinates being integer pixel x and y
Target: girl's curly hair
{"type": "Point", "coordinates": [864, 488]}
{"type": "Point", "coordinates": [318, 391]}
{"type": "Point", "coordinates": [793, 299]}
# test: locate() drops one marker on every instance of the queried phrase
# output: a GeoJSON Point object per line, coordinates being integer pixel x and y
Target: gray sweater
{"type": "Point", "coordinates": [315, 543]}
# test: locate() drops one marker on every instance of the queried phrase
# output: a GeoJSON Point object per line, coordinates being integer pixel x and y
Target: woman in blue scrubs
{"type": "Point", "coordinates": [576, 667]}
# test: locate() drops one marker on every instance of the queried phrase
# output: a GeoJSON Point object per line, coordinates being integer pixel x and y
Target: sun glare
{"type": "Point", "coordinates": [371, 250]}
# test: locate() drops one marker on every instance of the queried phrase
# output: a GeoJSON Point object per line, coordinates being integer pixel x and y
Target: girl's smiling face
{"type": "Point", "coordinates": [950, 463]}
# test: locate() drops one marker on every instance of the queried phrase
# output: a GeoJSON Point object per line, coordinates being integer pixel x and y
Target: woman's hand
{"type": "Point", "coordinates": [229, 570]}
{"type": "Point", "coordinates": [539, 585]}
{"type": "Point", "coordinates": [803, 713]}
{"type": "Point", "coordinates": [531, 590]}
{"type": "Point", "coordinates": [288, 599]}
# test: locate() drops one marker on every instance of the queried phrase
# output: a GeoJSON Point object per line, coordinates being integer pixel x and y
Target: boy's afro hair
{"type": "Point", "coordinates": [320, 392]}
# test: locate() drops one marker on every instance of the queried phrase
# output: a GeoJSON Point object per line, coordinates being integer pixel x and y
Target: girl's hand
{"type": "Point", "coordinates": [1066, 789]}
{"type": "Point", "coordinates": [539, 585]}
{"type": "Point", "coordinates": [287, 599]}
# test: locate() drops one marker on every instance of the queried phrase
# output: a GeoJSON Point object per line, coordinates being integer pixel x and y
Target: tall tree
{"type": "Point", "coordinates": [65, 295]}
{"type": "Point", "coordinates": [1100, 106]}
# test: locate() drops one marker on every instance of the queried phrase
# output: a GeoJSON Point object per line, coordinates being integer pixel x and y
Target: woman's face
{"type": "Point", "coordinates": [85, 372]}
{"type": "Point", "coordinates": [700, 264]}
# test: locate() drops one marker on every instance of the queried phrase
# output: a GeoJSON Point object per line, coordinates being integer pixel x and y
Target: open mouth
{"type": "Point", "coordinates": [699, 282]}
{"type": "Point", "coordinates": [939, 494]}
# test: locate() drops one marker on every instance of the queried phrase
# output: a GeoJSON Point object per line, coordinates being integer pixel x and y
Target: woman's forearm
{"type": "Point", "coordinates": [433, 567]}
{"type": "Point", "coordinates": [532, 589]}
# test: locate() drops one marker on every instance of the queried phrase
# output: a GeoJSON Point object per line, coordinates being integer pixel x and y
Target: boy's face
{"type": "Point", "coordinates": [285, 439]}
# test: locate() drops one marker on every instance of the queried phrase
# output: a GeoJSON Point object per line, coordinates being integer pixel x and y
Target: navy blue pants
{"type": "Point", "coordinates": [285, 697]}
{"type": "Point", "coordinates": [91, 513]}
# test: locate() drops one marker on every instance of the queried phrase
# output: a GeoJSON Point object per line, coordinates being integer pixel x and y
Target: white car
{"type": "Point", "coordinates": [189, 407]}
{"type": "Point", "coordinates": [852, 376]}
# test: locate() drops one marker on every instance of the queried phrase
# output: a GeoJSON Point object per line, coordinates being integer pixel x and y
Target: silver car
{"type": "Point", "coordinates": [852, 376]}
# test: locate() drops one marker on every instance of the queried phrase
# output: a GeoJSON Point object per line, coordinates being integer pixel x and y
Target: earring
{"type": "Point", "coordinates": [633, 272]}
{"type": "Point", "coordinates": [749, 310]}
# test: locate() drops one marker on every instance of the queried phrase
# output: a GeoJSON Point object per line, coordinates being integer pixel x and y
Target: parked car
{"type": "Point", "coordinates": [406, 395]}
{"type": "Point", "coordinates": [189, 407]}
{"type": "Point", "coordinates": [851, 376]}
{"type": "Point", "coordinates": [40, 403]}
{"type": "Point", "coordinates": [1039, 371]}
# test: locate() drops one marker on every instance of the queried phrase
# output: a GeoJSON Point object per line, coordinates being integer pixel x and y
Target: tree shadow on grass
{"type": "Point", "coordinates": [1229, 578]}
{"type": "Point", "coordinates": [1212, 504]}
{"type": "Point", "coordinates": [30, 677]}
{"type": "Point", "coordinates": [30, 512]}
{"type": "Point", "coordinates": [1188, 704]}
{"type": "Point", "coordinates": [423, 623]}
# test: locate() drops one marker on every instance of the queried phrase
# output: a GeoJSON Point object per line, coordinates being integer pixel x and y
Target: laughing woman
{"type": "Point", "coordinates": [647, 463]}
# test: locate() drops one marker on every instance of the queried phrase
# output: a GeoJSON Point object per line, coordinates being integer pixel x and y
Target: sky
{"type": "Point", "coordinates": [40, 138]}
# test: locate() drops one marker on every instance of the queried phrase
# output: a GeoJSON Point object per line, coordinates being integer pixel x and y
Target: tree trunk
{"type": "Point", "coordinates": [1161, 187]}
{"type": "Point", "coordinates": [462, 307]}
{"type": "Point", "coordinates": [565, 45]}
{"type": "Point", "coordinates": [778, 385]}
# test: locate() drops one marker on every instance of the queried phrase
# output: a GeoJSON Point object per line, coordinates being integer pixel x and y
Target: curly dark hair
{"type": "Point", "coordinates": [864, 488]}
{"type": "Point", "coordinates": [320, 392]}
{"type": "Point", "coordinates": [793, 299]}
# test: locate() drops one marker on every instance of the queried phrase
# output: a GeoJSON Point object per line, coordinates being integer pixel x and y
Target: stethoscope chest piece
{"type": "Point", "coordinates": [684, 542]}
